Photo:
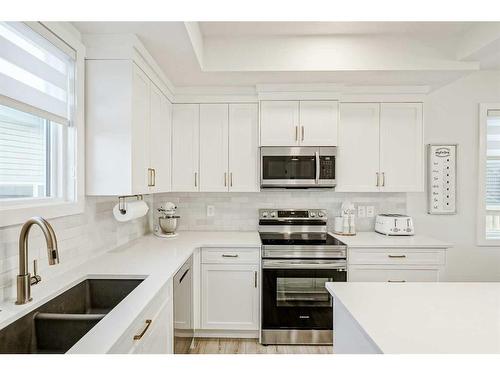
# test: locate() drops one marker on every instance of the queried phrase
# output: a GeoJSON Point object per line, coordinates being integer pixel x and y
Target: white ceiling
{"type": "Point", "coordinates": [244, 53]}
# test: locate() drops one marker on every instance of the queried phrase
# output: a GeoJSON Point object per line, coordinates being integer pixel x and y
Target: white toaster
{"type": "Point", "coordinates": [394, 225]}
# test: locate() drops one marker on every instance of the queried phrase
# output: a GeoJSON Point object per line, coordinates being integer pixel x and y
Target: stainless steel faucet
{"type": "Point", "coordinates": [24, 279]}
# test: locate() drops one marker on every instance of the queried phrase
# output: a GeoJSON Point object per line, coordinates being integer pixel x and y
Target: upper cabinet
{"type": "Point", "coordinates": [127, 130]}
{"type": "Point", "coordinates": [215, 147]}
{"type": "Point", "coordinates": [185, 147]}
{"type": "Point", "coordinates": [243, 147]}
{"type": "Point", "coordinates": [401, 147]}
{"type": "Point", "coordinates": [295, 123]}
{"type": "Point", "coordinates": [214, 128]}
{"type": "Point", "coordinates": [380, 147]}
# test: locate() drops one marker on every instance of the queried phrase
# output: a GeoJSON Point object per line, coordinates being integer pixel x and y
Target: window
{"type": "Point", "coordinates": [39, 120]}
{"type": "Point", "coordinates": [489, 176]}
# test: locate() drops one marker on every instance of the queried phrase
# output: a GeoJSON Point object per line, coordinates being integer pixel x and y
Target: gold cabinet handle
{"type": "Point", "coordinates": [255, 278]}
{"type": "Point", "coordinates": [153, 174]}
{"type": "Point", "coordinates": [139, 336]}
{"type": "Point", "coordinates": [378, 179]}
{"type": "Point", "coordinates": [396, 256]}
{"type": "Point", "coordinates": [195, 179]}
{"type": "Point", "coordinates": [225, 178]}
{"type": "Point", "coordinates": [230, 255]}
{"type": "Point", "coordinates": [383, 178]}
{"type": "Point", "coordinates": [150, 177]}
{"type": "Point", "coordinates": [396, 281]}
{"type": "Point", "coordinates": [296, 134]}
{"type": "Point", "coordinates": [302, 133]}
{"type": "Point", "coordinates": [231, 179]}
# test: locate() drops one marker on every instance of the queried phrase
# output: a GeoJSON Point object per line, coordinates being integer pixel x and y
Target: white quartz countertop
{"type": "Point", "coordinates": [150, 257]}
{"type": "Point", "coordinates": [425, 317]}
{"type": "Point", "coordinates": [377, 240]}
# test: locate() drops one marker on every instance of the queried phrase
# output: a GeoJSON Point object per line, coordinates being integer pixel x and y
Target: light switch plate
{"type": "Point", "coordinates": [361, 211]}
{"type": "Point", "coordinates": [210, 210]}
{"type": "Point", "coordinates": [370, 211]}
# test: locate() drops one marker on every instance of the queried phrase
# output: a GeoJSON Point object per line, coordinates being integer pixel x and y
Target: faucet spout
{"type": "Point", "coordinates": [24, 278]}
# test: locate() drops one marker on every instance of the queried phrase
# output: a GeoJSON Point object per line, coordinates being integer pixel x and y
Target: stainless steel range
{"type": "Point", "coordinates": [298, 258]}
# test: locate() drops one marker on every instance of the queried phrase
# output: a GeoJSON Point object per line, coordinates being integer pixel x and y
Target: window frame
{"type": "Point", "coordinates": [61, 34]}
{"type": "Point", "coordinates": [481, 191]}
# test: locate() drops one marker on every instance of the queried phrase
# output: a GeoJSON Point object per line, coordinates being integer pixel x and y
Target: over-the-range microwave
{"type": "Point", "coordinates": [297, 167]}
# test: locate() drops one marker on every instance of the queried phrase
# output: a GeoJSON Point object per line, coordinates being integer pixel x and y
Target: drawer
{"type": "Point", "coordinates": [381, 274]}
{"type": "Point", "coordinates": [397, 256]}
{"type": "Point", "coordinates": [230, 255]}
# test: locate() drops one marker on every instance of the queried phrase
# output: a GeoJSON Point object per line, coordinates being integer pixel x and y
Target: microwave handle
{"type": "Point", "coordinates": [317, 167]}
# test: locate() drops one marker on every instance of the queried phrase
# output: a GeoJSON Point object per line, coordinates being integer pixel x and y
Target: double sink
{"type": "Point", "coordinates": [60, 323]}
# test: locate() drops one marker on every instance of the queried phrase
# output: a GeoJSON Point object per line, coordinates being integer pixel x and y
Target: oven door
{"type": "Point", "coordinates": [289, 166]}
{"type": "Point", "coordinates": [294, 296]}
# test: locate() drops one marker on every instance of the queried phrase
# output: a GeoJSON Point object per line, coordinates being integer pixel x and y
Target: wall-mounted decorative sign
{"type": "Point", "coordinates": [442, 179]}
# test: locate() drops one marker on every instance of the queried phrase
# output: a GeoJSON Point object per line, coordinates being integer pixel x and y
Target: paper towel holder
{"type": "Point", "coordinates": [122, 201]}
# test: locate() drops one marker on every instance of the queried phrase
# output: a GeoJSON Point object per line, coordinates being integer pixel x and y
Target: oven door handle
{"type": "Point", "coordinates": [278, 264]}
{"type": "Point", "coordinates": [317, 167]}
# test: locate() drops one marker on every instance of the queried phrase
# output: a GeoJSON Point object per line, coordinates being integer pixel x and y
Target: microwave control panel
{"type": "Point", "coordinates": [327, 167]}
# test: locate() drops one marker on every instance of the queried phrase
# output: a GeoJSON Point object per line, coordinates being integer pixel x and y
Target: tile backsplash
{"type": "Point", "coordinates": [80, 237]}
{"type": "Point", "coordinates": [239, 211]}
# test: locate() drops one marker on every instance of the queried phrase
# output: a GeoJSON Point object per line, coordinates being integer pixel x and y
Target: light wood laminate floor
{"type": "Point", "coordinates": [252, 346]}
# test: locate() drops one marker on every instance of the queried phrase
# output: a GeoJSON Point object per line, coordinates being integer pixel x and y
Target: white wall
{"type": "Point", "coordinates": [451, 116]}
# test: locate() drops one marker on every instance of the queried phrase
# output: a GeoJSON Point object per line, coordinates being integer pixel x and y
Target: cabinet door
{"type": "Point", "coordinates": [401, 147]}
{"type": "Point", "coordinates": [243, 148]}
{"type": "Point", "coordinates": [214, 147]}
{"type": "Point", "coordinates": [279, 123]}
{"type": "Point", "coordinates": [230, 296]}
{"type": "Point", "coordinates": [392, 275]}
{"type": "Point", "coordinates": [140, 130]}
{"type": "Point", "coordinates": [358, 147]}
{"type": "Point", "coordinates": [158, 337]}
{"type": "Point", "coordinates": [318, 123]}
{"type": "Point", "coordinates": [160, 141]}
{"type": "Point", "coordinates": [185, 147]}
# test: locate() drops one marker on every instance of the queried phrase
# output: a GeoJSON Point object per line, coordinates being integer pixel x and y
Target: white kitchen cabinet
{"type": "Point", "coordinates": [243, 147]}
{"type": "Point", "coordinates": [214, 129]}
{"type": "Point", "coordinates": [279, 123]}
{"type": "Point", "coordinates": [122, 116]}
{"type": "Point", "coordinates": [395, 264]}
{"type": "Point", "coordinates": [185, 147]}
{"type": "Point", "coordinates": [152, 331]}
{"type": "Point", "coordinates": [357, 163]}
{"type": "Point", "coordinates": [380, 147]}
{"type": "Point", "coordinates": [299, 123]}
{"type": "Point", "coordinates": [230, 296]}
{"type": "Point", "coordinates": [318, 122]}
{"type": "Point", "coordinates": [401, 147]}
{"type": "Point", "coordinates": [393, 274]}
{"type": "Point", "coordinates": [160, 140]}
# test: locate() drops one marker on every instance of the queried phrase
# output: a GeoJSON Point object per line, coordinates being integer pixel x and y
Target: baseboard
{"type": "Point", "coordinates": [232, 334]}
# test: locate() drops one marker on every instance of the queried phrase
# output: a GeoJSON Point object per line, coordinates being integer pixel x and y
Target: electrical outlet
{"type": "Point", "coordinates": [210, 210]}
{"type": "Point", "coordinates": [370, 211]}
{"type": "Point", "coordinates": [361, 211]}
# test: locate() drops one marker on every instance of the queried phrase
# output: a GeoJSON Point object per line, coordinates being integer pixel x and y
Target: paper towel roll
{"type": "Point", "coordinates": [133, 210]}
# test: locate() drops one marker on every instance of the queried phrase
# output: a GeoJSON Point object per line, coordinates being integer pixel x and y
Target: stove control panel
{"type": "Point", "coordinates": [293, 214]}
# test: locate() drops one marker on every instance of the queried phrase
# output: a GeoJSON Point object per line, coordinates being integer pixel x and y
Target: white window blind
{"type": "Point", "coordinates": [492, 181]}
{"type": "Point", "coordinates": [35, 75]}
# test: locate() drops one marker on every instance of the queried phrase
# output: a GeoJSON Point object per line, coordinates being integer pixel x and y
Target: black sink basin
{"type": "Point", "coordinates": [57, 325]}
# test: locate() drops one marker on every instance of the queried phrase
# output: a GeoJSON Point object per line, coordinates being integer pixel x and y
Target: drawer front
{"type": "Point", "coordinates": [126, 343]}
{"type": "Point", "coordinates": [230, 255]}
{"type": "Point", "coordinates": [397, 256]}
{"type": "Point", "coordinates": [393, 274]}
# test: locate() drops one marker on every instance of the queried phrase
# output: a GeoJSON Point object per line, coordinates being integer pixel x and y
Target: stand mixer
{"type": "Point", "coordinates": [167, 220]}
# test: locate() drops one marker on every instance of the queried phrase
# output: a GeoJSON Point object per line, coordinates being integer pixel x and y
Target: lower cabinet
{"type": "Point", "coordinates": [396, 265]}
{"type": "Point", "coordinates": [152, 331]}
{"type": "Point", "coordinates": [230, 290]}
